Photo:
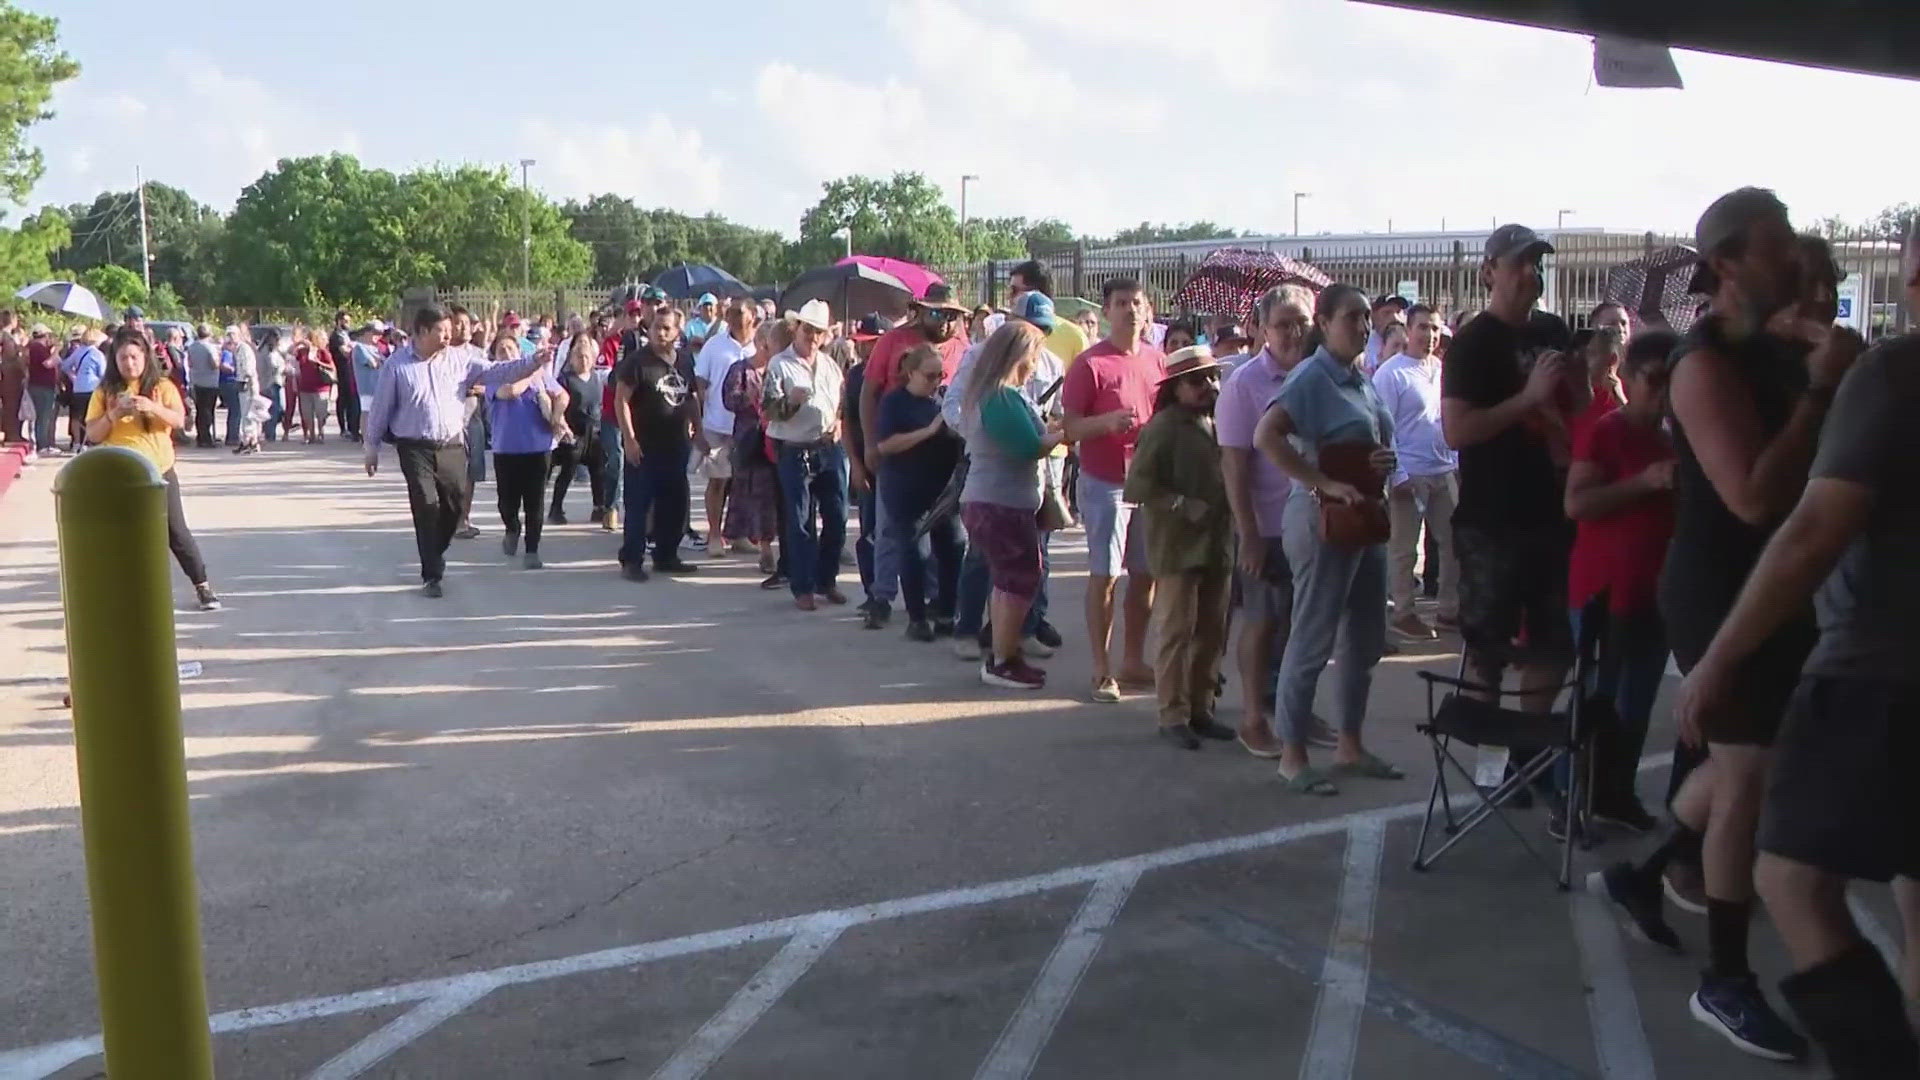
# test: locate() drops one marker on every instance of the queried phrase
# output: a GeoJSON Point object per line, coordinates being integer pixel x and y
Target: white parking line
{"type": "Point", "coordinates": [1613, 1009]}
{"type": "Point", "coordinates": [1031, 1026]}
{"type": "Point", "coordinates": [421, 1019]}
{"type": "Point", "coordinates": [1335, 1035]}
{"type": "Point", "coordinates": [718, 1034]}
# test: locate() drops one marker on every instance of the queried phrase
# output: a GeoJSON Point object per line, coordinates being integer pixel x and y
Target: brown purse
{"type": "Point", "coordinates": [1053, 514]}
{"type": "Point", "coordinates": [1360, 524]}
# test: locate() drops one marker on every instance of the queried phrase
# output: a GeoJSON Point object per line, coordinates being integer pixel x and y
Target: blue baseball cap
{"type": "Point", "coordinates": [707, 298]}
{"type": "Point", "coordinates": [1036, 308]}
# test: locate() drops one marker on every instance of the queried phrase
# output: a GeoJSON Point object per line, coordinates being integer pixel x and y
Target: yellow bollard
{"type": "Point", "coordinates": [116, 585]}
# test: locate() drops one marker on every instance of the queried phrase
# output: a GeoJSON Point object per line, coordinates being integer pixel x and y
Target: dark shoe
{"type": "Point", "coordinates": [834, 596]}
{"type": "Point", "coordinates": [467, 532]}
{"type": "Point", "coordinates": [432, 590]}
{"type": "Point", "coordinates": [510, 543]}
{"type": "Point", "coordinates": [675, 566]}
{"type": "Point", "coordinates": [877, 617]}
{"type": "Point", "coordinates": [1016, 674]}
{"type": "Point", "coordinates": [635, 573]}
{"type": "Point", "coordinates": [1639, 896]}
{"type": "Point", "coordinates": [696, 539]}
{"type": "Point", "coordinates": [556, 517]}
{"type": "Point", "coordinates": [1734, 1007]}
{"type": "Point", "coordinates": [208, 601]}
{"type": "Point", "coordinates": [1627, 816]}
{"type": "Point", "coordinates": [596, 516]}
{"type": "Point", "coordinates": [919, 630]}
{"type": "Point", "coordinates": [1852, 1007]}
{"type": "Point", "coordinates": [1047, 635]}
{"type": "Point", "coordinates": [532, 562]}
{"type": "Point", "coordinates": [1180, 735]}
{"type": "Point", "coordinates": [805, 602]}
{"type": "Point", "coordinates": [866, 606]}
{"type": "Point", "coordinates": [775, 580]}
{"type": "Point", "coordinates": [1207, 727]}
{"type": "Point", "coordinates": [942, 627]}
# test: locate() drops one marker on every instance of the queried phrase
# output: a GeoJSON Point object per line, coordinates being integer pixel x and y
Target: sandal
{"type": "Point", "coordinates": [1309, 781]}
{"type": "Point", "coordinates": [1370, 768]}
{"type": "Point", "coordinates": [1264, 755]}
{"type": "Point", "coordinates": [1106, 691]}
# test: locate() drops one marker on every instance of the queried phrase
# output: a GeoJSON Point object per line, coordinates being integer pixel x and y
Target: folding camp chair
{"type": "Point", "coordinates": [1564, 735]}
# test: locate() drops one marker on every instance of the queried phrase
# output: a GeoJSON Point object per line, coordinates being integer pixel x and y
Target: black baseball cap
{"type": "Point", "coordinates": [133, 312]}
{"type": "Point", "coordinates": [1726, 217]}
{"type": "Point", "coordinates": [1232, 331]}
{"type": "Point", "coordinates": [1515, 240]}
{"type": "Point", "coordinates": [1391, 298]}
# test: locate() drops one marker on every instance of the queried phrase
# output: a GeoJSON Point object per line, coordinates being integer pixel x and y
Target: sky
{"type": "Point", "coordinates": [1099, 112]}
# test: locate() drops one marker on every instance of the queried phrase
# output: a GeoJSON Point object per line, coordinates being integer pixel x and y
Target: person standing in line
{"type": "Point", "coordinates": [1176, 482]}
{"type": "Point", "coordinates": [203, 373]}
{"type": "Point", "coordinates": [421, 403]}
{"type": "Point", "coordinates": [270, 374]}
{"type": "Point", "coordinates": [716, 358]}
{"type": "Point", "coordinates": [43, 387]}
{"type": "Point", "coordinates": [1747, 409]}
{"type": "Point", "coordinates": [629, 334]}
{"type": "Point", "coordinates": [136, 407]}
{"type": "Point", "coordinates": [1108, 396]}
{"type": "Point", "coordinates": [340, 350]}
{"type": "Point", "coordinates": [1231, 345]}
{"type": "Point", "coordinates": [582, 418]}
{"type": "Point", "coordinates": [523, 419]}
{"type": "Point", "coordinates": [754, 500]}
{"type": "Point", "coordinates": [85, 366]}
{"type": "Point", "coordinates": [467, 335]}
{"type": "Point", "coordinates": [1006, 442]}
{"type": "Point", "coordinates": [917, 458]}
{"type": "Point", "coordinates": [1383, 313]}
{"type": "Point", "coordinates": [317, 378]}
{"type": "Point", "coordinates": [1329, 431]}
{"type": "Point", "coordinates": [659, 417]}
{"type": "Point", "coordinates": [13, 380]}
{"type": "Point", "coordinates": [801, 395]}
{"type": "Point", "coordinates": [1427, 485]}
{"type": "Point", "coordinates": [1840, 800]}
{"type": "Point", "coordinates": [1599, 351]}
{"type": "Point", "coordinates": [367, 361]}
{"type": "Point", "coordinates": [705, 320]}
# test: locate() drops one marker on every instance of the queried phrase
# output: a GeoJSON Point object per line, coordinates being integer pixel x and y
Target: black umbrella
{"type": "Point", "coordinates": [846, 288]}
{"type": "Point", "coordinates": [684, 281]}
{"type": "Point", "coordinates": [1655, 283]}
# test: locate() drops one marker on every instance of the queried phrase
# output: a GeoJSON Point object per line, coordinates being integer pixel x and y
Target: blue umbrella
{"type": "Point", "coordinates": [685, 281]}
{"type": "Point", "coordinates": [66, 297]}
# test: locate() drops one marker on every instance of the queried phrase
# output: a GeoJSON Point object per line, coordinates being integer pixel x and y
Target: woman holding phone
{"type": "Point", "coordinates": [138, 408]}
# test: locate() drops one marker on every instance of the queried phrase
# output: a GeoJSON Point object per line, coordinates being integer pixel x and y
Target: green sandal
{"type": "Point", "coordinates": [1309, 781]}
{"type": "Point", "coordinates": [1370, 768]}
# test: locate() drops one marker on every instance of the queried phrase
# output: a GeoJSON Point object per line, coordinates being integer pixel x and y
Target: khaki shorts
{"type": "Point", "coordinates": [717, 463]}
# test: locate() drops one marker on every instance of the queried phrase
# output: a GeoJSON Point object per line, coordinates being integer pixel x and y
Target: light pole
{"type": "Point", "coordinates": [846, 233]}
{"type": "Point", "coordinates": [526, 227]}
{"type": "Point", "coordinates": [1562, 223]}
{"type": "Point", "coordinates": [964, 181]}
{"type": "Point", "coordinates": [1297, 196]}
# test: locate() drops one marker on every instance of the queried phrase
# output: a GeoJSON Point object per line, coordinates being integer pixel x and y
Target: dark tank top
{"type": "Point", "coordinates": [1712, 549]}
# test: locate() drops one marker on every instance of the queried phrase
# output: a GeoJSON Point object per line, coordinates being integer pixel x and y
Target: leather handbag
{"type": "Point", "coordinates": [1053, 514]}
{"type": "Point", "coordinates": [1361, 524]}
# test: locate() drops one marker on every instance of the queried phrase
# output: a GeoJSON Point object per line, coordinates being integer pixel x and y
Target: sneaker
{"type": "Point", "coordinates": [1685, 887]}
{"type": "Point", "coordinates": [208, 601]}
{"type": "Point", "coordinates": [596, 516]}
{"type": "Point", "coordinates": [635, 573]}
{"type": "Point", "coordinates": [674, 566]}
{"type": "Point", "coordinates": [1734, 1007]}
{"type": "Point", "coordinates": [696, 539]}
{"type": "Point", "coordinates": [775, 580]}
{"type": "Point", "coordinates": [744, 546]}
{"type": "Point", "coordinates": [1034, 647]}
{"type": "Point", "coordinates": [1016, 674]}
{"type": "Point", "coordinates": [556, 517]}
{"type": "Point", "coordinates": [1639, 898]}
{"type": "Point", "coordinates": [532, 562]}
{"type": "Point", "coordinates": [966, 648]}
{"type": "Point", "coordinates": [610, 521]}
{"type": "Point", "coordinates": [877, 617]}
{"type": "Point", "coordinates": [432, 590]}
{"type": "Point", "coordinates": [1412, 627]}
{"type": "Point", "coordinates": [510, 543]}
{"type": "Point", "coordinates": [942, 627]}
{"type": "Point", "coordinates": [919, 630]}
{"type": "Point", "coordinates": [468, 531]}
{"type": "Point", "coordinates": [1047, 635]}
{"type": "Point", "coordinates": [1627, 815]}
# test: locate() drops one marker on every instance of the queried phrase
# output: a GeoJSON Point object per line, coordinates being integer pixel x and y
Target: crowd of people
{"type": "Point", "coordinates": [1344, 473]}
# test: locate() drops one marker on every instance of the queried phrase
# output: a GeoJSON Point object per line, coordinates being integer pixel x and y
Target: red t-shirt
{"type": "Point", "coordinates": [884, 364]}
{"type": "Point", "coordinates": [1625, 550]}
{"type": "Point", "coordinates": [310, 362]}
{"type": "Point", "coordinates": [1102, 380]}
{"type": "Point", "coordinates": [1605, 400]}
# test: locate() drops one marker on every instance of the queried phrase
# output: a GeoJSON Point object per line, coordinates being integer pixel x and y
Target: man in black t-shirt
{"type": "Point", "coordinates": [658, 413]}
{"type": "Point", "coordinates": [1505, 393]}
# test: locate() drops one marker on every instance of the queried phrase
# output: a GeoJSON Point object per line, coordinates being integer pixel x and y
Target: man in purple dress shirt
{"type": "Point", "coordinates": [421, 406]}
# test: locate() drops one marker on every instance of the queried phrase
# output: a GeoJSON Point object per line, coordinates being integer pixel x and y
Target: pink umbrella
{"type": "Point", "coordinates": [914, 276]}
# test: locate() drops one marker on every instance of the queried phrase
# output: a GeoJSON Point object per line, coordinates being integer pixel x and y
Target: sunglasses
{"type": "Point", "coordinates": [939, 314]}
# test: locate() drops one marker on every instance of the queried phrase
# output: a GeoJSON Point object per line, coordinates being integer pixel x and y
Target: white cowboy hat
{"type": "Point", "coordinates": [814, 313]}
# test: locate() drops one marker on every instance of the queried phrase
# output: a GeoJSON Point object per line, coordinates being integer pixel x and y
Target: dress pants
{"type": "Point", "coordinates": [437, 493]}
{"type": "Point", "coordinates": [1191, 610]}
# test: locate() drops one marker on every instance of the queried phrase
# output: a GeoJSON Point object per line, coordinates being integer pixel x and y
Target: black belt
{"type": "Point", "coordinates": [429, 444]}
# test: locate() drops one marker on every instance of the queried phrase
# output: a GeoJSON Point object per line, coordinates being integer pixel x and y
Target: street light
{"type": "Point", "coordinates": [1297, 196]}
{"type": "Point", "coordinates": [964, 181]}
{"type": "Point", "coordinates": [1562, 223]}
{"type": "Point", "coordinates": [845, 232]}
{"type": "Point", "coordinates": [526, 227]}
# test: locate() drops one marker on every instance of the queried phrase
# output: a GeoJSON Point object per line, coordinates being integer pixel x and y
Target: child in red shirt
{"type": "Point", "coordinates": [1620, 494]}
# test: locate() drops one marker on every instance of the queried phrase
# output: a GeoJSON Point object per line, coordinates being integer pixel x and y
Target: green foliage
{"type": "Point", "coordinates": [1150, 233]}
{"type": "Point", "coordinates": [115, 285]}
{"type": "Point", "coordinates": [631, 244]}
{"type": "Point", "coordinates": [904, 217]}
{"type": "Point", "coordinates": [184, 236]}
{"type": "Point", "coordinates": [164, 303]}
{"type": "Point", "coordinates": [31, 64]}
{"type": "Point", "coordinates": [26, 251]}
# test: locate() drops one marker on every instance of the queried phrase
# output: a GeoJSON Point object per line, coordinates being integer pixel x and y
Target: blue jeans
{"type": "Point", "coordinates": [1339, 605]}
{"type": "Point", "coordinates": [883, 573]}
{"type": "Point", "coordinates": [230, 401]}
{"type": "Point", "coordinates": [929, 565]}
{"type": "Point", "coordinates": [970, 597]}
{"type": "Point", "coordinates": [658, 483]}
{"type": "Point", "coordinates": [612, 467]}
{"type": "Point", "coordinates": [814, 478]}
{"type": "Point", "coordinates": [869, 509]}
{"type": "Point", "coordinates": [276, 424]}
{"type": "Point", "coordinates": [43, 401]}
{"type": "Point", "coordinates": [1633, 664]}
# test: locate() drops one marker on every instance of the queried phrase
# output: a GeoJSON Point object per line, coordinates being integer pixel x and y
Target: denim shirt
{"type": "Point", "coordinates": [1331, 402]}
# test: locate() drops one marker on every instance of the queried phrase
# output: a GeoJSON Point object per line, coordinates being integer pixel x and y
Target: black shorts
{"type": "Point", "coordinates": [1763, 683]}
{"type": "Point", "coordinates": [1841, 795]}
{"type": "Point", "coordinates": [1271, 597]}
{"type": "Point", "coordinates": [1514, 578]}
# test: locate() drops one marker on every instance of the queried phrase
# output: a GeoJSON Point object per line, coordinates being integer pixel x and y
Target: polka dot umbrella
{"type": "Point", "coordinates": [1228, 281]}
{"type": "Point", "coordinates": [1656, 282]}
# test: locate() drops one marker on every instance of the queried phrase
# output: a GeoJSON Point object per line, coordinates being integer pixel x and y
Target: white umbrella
{"type": "Point", "coordinates": [66, 296]}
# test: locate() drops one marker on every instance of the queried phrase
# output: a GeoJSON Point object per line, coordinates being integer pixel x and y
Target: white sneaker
{"type": "Point", "coordinates": [966, 647]}
{"type": "Point", "coordinates": [716, 549]}
{"type": "Point", "coordinates": [1034, 647]}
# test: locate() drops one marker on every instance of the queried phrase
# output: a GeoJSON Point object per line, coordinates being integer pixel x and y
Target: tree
{"type": "Point", "coordinates": [467, 222]}
{"type": "Point", "coordinates": [25, 252]}
{"type": "Point", "coordinates": [631, 244]}
{"type": "Point", "coordinates": [184, 236]}
{"type": "Point", "coordinates": [31, 64]}
{"type": "Point", "coordinates": [115, 285]}
{"type": "Point", "coordinates": [904, 217]}
{"type": "Point", "coordinates": [1034, 236]}
{"type": "Point", "coordinates": [1150, 233]}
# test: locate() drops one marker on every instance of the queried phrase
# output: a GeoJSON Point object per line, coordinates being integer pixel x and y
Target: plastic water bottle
{"type": "Point", "coordinates": [189, 669]}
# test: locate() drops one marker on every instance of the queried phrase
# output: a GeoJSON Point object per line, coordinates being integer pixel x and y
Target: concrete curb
{"type": "Point", "coordinates": [13, 461]}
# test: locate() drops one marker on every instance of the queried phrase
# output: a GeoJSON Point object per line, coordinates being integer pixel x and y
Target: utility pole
{"type": "Point", "coordinates": [964, 180]}
{"type": "Point", "coordinates": [526, 228]}
{"type": "Point", "coordinates": [1297, 196]}
{"type": "Point", "coordinates": [146, 257]}
{"type": "Point", "coordinates": [847, 233]}
{"type": "Point", "coordinates": [1562, 223]}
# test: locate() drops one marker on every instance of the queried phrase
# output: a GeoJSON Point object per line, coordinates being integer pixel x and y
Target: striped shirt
{"type": "Point", "coordinates": [426, 398]}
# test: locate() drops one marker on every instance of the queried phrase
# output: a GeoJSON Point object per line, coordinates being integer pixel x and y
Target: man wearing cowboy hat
{"type": "Point", "coordinates": [801, 396]}
{"type": "Point", "coordinates": [936, 320]}
{"type": "Point", "coordinates": [1176, 481]}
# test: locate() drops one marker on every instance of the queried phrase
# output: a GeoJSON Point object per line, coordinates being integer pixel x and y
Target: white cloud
{"type": "Point", "coordinates": [656, 163]}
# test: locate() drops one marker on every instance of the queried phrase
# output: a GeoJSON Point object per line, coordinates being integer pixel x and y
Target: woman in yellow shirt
{"type": "Point", "coordinates": [139, 408]}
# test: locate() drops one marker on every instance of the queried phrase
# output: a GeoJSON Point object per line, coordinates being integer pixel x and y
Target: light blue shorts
{"type": "Point", "coordinates": [1116, 536]}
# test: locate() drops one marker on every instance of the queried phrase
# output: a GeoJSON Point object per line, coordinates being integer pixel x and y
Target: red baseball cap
{"type": "Point", "coordinates": [635, 307]}
{"type": "Point", "coordinates": [511, 318]}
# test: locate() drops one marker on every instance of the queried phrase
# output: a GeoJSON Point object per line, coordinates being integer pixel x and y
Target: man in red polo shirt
{"type": "Point", "coordinates": [1108, 397]}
